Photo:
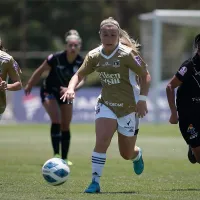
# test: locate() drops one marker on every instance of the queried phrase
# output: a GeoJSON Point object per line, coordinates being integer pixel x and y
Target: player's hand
{"type": "Point", "coordinates": [3, 85]}
{"type": "Point", "coordinates": [27, 89]}
{"type": "Point", "coordinates": [63, 90]}
{"type": "Point", "coordinates": [173, 118]}
{"type": "Point", "coordinates": [69, 95]}
{"type": "Point", "coordinates": [141, 109]}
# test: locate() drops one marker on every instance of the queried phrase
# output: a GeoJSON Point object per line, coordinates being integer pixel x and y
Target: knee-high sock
{"type": "Point", "coordinates": [55, 137]}
{"type": "Point", "coordinates": [65, 143]}
{"type": "Point", "coordinates": [98, 162]}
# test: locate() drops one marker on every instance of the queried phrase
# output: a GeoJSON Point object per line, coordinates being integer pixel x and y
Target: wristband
{"type": "Point", "coordinates": [142, 98]}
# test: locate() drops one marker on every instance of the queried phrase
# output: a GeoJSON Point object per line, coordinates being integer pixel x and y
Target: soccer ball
{"type": "Point", "coordinates": [55, 171]}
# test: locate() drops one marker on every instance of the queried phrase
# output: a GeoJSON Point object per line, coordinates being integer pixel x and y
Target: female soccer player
{"type": "Point", "coordinates": [61, 67]}
{"type": "Point", "coordinates": [121, 103]}
{"type": "Point", "coordinates": [187, 107]}
{"type": "Point", "coordinates": [8, 68]}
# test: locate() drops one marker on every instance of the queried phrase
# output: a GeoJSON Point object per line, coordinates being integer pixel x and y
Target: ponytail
{"type": "Point", "coordinates": [128, 41]}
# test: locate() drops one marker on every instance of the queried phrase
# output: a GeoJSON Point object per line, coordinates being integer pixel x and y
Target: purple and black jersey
{"type": "Point", "coordinates": [61, 70]}
{"type": "Point", "coordinates": [188, 94]}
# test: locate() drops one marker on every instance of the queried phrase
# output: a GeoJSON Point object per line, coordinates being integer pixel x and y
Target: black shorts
{"type": "Point", "coordinates": [48, 94]}
{"type": "Point", "coordinates": [189, 125]}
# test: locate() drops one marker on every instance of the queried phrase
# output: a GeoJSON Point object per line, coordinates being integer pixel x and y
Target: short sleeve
{"type": "Point", "coordinates": [13, 70]}
{"type": "Point", "coordinates": [87, 67]}
{"type": "Point", "coordinates": [51, 60]}
{"type": "Point", "coordinates": [184, 72]}
{"type": "Point", "coordinates": [136, 63]}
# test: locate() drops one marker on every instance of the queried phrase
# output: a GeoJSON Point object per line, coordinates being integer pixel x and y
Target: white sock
{"type": "Point", "coordinates": [98, 162]}
{"type": "Point", "coordinates": [138, 156]}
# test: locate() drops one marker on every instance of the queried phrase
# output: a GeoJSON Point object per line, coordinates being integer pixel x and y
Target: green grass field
{"type": "Point", "coordinates": [168, 174]}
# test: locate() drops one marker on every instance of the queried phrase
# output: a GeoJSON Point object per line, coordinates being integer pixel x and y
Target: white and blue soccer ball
{"type": "Point", "coordinates": [55, 171]}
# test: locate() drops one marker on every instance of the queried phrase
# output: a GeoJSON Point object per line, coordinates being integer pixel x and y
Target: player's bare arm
{"type": "Point", "coordinates": [74, 82]}
{"type": "Point", "coordinates": [13, 73]}
{"type": "Point", "coordinates": [145, 80]}
{"type": "Point", "coordinates": [170, 90]}
{"type": "Point", "coordinates": [36, 77]}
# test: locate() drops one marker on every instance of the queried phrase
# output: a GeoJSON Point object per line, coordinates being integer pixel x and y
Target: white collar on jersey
{"type": "Point", "coordinates": [112, 54]}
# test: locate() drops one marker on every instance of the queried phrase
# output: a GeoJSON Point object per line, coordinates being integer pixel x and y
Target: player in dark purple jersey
{"type": "Point", "coordinates": [61, 66]}
{"type": "Point", "coordinates": [187, 107]}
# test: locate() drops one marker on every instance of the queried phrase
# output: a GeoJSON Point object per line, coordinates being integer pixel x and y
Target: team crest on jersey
{"type": "Point", "coordinates": [182, 71]}
{"type": "Point", "coordinates": [116, 63]}
{"type": "Point", "coordinates": [50, 57]}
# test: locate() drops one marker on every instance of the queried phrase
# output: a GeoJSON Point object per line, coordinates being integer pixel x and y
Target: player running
{"type": "Point", "coordinates": [121, 103]}
{"type": "Point", "coordinates": [187, 80]}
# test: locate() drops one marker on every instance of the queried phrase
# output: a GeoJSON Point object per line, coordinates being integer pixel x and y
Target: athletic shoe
{"type": "Point", "coordinates": [138, 165]}
{"type": "Point", "coordinates": [93, 187]}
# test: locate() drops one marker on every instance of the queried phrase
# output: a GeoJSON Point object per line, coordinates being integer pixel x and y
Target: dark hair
{"type": "Point", "coordinates": [1, 46]}
{"type": "Point", "coordinates": [197, 42]}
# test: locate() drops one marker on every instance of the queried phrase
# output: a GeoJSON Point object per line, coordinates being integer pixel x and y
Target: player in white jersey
{"type": "Point", "coordinates": [122, 101]}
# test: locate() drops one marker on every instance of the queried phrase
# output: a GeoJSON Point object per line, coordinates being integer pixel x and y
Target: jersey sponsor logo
{"type": "Point", "coordinates": [196, 99]}
{"type": "Point", "coordinates": [138, 60]}
{"type": "Point", "coordinates": [114, 104]}
{"type": "Point", "coordinates": [110, 79]}
{"type": "Point", "coordinates": [75, 68]}
{"type": "Point", "coordinates": [60, 66]}
{"type": "Point", "coordinates": [182, 71]}
{"type": "Point", "coordinates": [191, 130]}
{"type": "Point", "coordinates": [78, 62]}
{"type": "Point", "coordinates": [106, 64]}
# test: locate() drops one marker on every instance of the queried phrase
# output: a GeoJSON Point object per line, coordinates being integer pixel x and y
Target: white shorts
{"type": "Point", "coordinates": [127, 125]}
{"type": "Point", "coordinates": [0, 116]}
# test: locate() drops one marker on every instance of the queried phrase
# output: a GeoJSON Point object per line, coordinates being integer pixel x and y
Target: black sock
{"type": "Point", "coordinates": [55, 137]}
{"type": "Point", "coordinates": [65, 143]}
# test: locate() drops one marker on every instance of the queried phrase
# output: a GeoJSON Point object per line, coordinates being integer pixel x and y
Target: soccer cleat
{"type": "Point", "coordinates": [57, 156]}
{"type": "Point", "coordinates": [69, 163]}
{"type": "Point", "coordinates": [138, 165]}
{"type": "Point", "coordinates": [191, 156]}
{"type": "Point", "coordinates": [93, 187]}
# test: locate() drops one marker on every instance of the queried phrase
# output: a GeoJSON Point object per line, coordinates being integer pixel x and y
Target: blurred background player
{"type": "Point", "coordinates": [9, 68]}
{"type": "Point", "coordinates": [187, 79]}
{"type": "Point", "coordinates": [61, 66]}
{"type": "Point", "coordinates": [121, 103]}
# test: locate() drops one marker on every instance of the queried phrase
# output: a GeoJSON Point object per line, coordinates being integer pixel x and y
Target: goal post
{"type": "Point", "coordinates": [151, 32]}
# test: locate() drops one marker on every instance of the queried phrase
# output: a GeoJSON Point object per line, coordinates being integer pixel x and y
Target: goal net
{"type": "Point", "coordinates": [167, 40]}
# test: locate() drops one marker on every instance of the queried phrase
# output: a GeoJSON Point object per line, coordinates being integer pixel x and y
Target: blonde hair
{"type": "Point", "coordinates": [72, 34]}
{"type": "Point", "coordinates": [124, 37]}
